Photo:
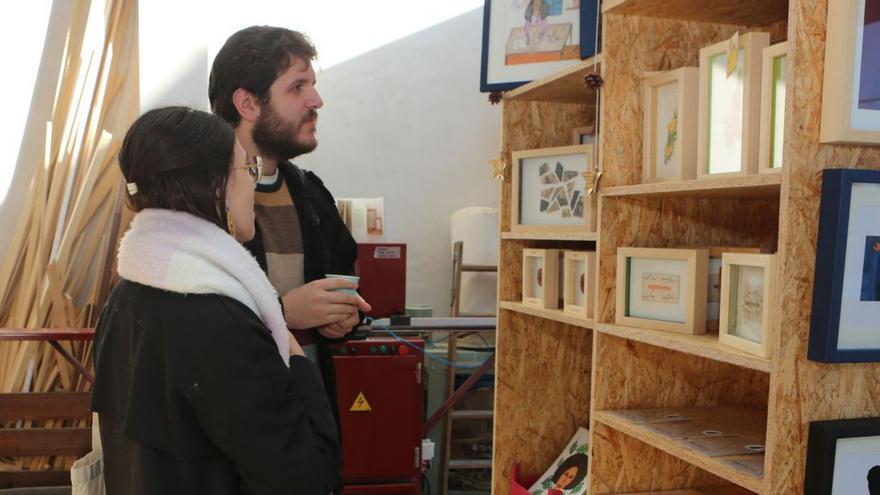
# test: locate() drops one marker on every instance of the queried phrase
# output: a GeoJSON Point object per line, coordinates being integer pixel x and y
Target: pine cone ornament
{"type": "Point", "coordinates": [495, 97]}
{"type": "Point", "coordinates": [593, 81]}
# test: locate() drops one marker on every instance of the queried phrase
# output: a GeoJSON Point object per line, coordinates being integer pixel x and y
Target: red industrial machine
{"type": "Point", "coordinates": [380, 390]}
{"type": "Point", "coordinates": [382, 269]}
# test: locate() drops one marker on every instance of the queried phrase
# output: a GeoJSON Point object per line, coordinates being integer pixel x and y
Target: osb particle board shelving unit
{"type": "Point", "coordinates": [554, 373]}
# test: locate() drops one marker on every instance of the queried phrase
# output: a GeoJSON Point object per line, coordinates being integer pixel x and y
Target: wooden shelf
{"type": "Point", "coordinates": [709, 490]}
{"type": "Point", "coordinates": [752, 421]}
{"type": "Point", "coordinates": [550, 314]}
{"type": "Point", "coordinates": [741, 12]}
{"type": "Point", "coordinates": [749, 186]}
{"type": "Point", "coordinates": [551, 236]}
{"type": "Point", "coordinates": [705, 346]}
{"type": "Point", "coordinates": [565, 86]}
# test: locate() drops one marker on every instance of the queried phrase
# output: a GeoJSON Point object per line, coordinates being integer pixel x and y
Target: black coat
{"type": "Point", "coordinates": [194, 399]}
{"type": "Point", "coordinates": [328, 247]}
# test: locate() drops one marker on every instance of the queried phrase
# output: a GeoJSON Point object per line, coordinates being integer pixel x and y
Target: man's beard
{"type": "Point", "coordinates": [277, 138]}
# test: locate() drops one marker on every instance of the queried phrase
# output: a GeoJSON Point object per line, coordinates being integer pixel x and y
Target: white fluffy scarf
{"type": "Point", "coordinates": [182, 253]}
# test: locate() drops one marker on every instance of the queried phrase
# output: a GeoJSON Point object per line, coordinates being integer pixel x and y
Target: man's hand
{"type": "Point", "coordinates": [340, 329]}
{"type": "Point", "coordinates": [316, 305]}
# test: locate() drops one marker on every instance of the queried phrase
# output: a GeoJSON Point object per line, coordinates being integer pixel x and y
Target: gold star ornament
{"type": "Point", "coordinates": [499, 165]}
{"type": "Point", "coordinates": [591, 181]}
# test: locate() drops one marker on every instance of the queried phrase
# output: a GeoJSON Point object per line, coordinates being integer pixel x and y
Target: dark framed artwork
{"type": "Point", "coordinates": [846, 295]}
{"type": "Point", "coordinates": [843, 457]}
{"type": "Point", "coordinates": [525, 40]}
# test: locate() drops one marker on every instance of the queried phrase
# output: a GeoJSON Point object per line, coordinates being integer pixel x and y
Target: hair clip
{"type": "Point", "coordinates": [132, 188]}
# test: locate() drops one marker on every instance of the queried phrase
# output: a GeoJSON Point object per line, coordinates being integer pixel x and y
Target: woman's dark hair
{"type": "Point", "coordinates": [577, 460]}
{"type": "Point", "coordinates": [179, 158]}
{"type": "Point", "coordinates": [252, 59]}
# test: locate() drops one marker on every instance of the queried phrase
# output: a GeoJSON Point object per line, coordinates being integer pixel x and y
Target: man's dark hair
{"type": "Point", "coordinates": [252, 59]}
{"type": "Point", "coordinates": [577, 460]}
{"type": "Point", "coordinates": [179, 159]}
{"type": "Point", "coordinates": [874, 480]}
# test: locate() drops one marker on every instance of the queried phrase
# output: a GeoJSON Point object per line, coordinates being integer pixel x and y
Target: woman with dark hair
{"type": "Point", "coordinates": [199, 387]}
{"type": "Point", "coordinates": [570, 473]}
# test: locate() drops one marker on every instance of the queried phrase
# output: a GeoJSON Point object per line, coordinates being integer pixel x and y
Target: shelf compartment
{"type": "Point", "coordinates": [761, 186]}
{"type": "Point", "coordinates": [705, 346]}
{"type": "Point", "coordinates": [753, 421]}
{"type": "Point", "coordinates": [550, 314]}
{"type": "Point", "coordinates": [741, 12]}
{"type": "Point", "coordinates": [551, 236]}
{"type": "Point", "coordinates": [565, 86]}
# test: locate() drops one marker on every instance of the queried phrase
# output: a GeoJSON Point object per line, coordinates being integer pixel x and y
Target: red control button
{"type": "Point", "coordinates": [403, 350]}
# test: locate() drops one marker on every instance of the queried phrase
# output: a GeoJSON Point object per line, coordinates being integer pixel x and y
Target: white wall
{"type": "Point", "coordinates": [407, 122]}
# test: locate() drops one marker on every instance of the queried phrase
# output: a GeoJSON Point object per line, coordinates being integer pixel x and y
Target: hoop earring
{"type": "Point", "coordinates": [230, 223]}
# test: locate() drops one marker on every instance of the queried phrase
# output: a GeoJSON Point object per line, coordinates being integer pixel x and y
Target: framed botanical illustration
{"type": "Point", "coordinates": [843, 457]}
{"type": "Point", "coordinates": [584, 135]}
{"type": "Point", "coordinates": [548, 190]}
{"type": "Point", "coordinates": [851, 89]}
{"type": "Point", "coordinates": [580, 282]}
{"type": "Point", "coordinates": [662, 289]}
{"type": "Point", "coordinates": [670, 128]}
{"type": "Point", "coordinates": [541, 278]}
{"type": "Point", "coordinates": [748, 299]}
{"type": "Point", "coordinates": [729, 119]}
{"type": "Point", "coordinates": [846, 291]}
{"type": "Point", "coordinates": [713, 305]}
{"type": "Point", "coordinates": [525, 40]}
{"type": "Point", "coordinates": [774, 64]}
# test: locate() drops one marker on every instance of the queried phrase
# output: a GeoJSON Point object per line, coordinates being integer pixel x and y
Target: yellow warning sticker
{"type": "Point", "coordinates": [361, 404]}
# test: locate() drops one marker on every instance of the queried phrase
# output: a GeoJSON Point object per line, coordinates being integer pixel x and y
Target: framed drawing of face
{"type": "Point", "coordinates": [748, 299]}
{"type": "Point", "coordinates": [729, 117]}
{"type": "Point", "coordinates": [846, 291]}
{"type": "Point", "coordinates": [670, 127]}
{"type": "Point", "coordinates": [851, 88]}
{"type": "Point", "coordinates": [774, 65]}
{"type": "Point", "coordinates": [662, 289]}
{"type": "Point", "coordinates": [843, 457]}
{"type": "Point", "coordinates": [548, 192]}
{"type": "Point", "coordinates": [580, 283]}
{"type": "Point", "coordinates": [525, 40]}
{"type": "Point", "coordinates": [541, 278]}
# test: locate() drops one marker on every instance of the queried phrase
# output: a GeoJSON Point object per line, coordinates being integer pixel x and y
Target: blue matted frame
{"type": "Point", "coordinates": [822, 449]}
{"type": "Point", "coordinates": [589, 16]}
{"type": "Point", "coordinates": [830, 261]}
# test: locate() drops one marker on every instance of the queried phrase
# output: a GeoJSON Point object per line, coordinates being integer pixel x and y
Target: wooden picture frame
{"type": "Point", "coordinates": [563, 186]}
{"type": "Point", "coordinates": [673, 300]}
{"type": "Point", "coordinates": [846, 290]}
{"type": "Point", "coordinates": [748, 302]}
{"type": "Point", "coordinates": [584, 135]}
{"type": "Point", "coordinates": [851, 102]}
{"type": "Point", "coordinates": [741, 151]}
{"type": "Point", "coordinates": [843, 456]}
{"type": "Point", "coordinates": [668, 96]}
{"type": "Point", "coordinates": [713, 302]}
{"type": "Point", "coordinates": [579, 287]}
{"type": "Point", "coordinates": [774, 65]}
{"type": "Point", "coordinates": [540, 279]}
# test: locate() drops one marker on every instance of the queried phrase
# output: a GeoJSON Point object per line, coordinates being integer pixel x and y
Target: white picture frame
{"type": "Point", "coordinates": [669, 142]}
{"type": "Point", "coordinates": [748, 302]}
{"type": "Point", "coordinates": [579, 283]}
{"type": "Point", "coordinates": [540, 278]}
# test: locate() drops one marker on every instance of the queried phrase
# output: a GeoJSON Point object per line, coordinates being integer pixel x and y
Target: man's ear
{"type": "Point", "coordinates": [246, 104]}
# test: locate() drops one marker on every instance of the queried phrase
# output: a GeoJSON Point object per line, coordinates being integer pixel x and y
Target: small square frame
{"type": "Point", "coordinates": [768, 263]}
{"type": "Point", "coordinates": [751, 44]}
{"type": "Point", "coordinates": [768, 108]}
{"type": "Point", "coordinates": [588, 258]}
{"type": "Point", "coordinates": [688, 79]}
{"type": "Point", "coordinates": [549, 272]}
{"type": "Point", "coordinates": [695, 303]}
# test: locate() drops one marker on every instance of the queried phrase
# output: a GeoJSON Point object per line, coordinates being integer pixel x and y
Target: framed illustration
{"type": "Point", "coordinates": [541, 278]}
{"type": "Point", "coordinates": [729, 118]}
{"type": "Point", "coordinates": [748, 299]}
{"type": "Point", "coordinates": [670, 128]}
{"type": "Point", "coordinates": [851, 89]}
{"type": "Point", "coordinates": [774, 64]}
{"type": "Point", "coordinates": [713, 305]}
{"type": "Point", "coordinates": [584, 135]}
{"type": "Point", "coordinates": [846, 291]}
{"type": "Point", "coordinates": [662, 289]}
{"type": "Point", "coordinates": [843, 457]}
{"type": "Point", "coordinates": [548, 190]}
{"type": "Point", "coordinates": [525, 40]}
{"type": "Point", "coordinates": [580, 282]}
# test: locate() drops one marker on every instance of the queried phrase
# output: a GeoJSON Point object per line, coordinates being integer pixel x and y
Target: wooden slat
{"type": "Point", "coordinates": [32, 442]}
{"type": "Point", "coordinates": [745, 12]}
{"type": "Point", "coordinates": [565, 86]}
{"type": "Point", "coordinates": [21, 479]}
{"type": "Point", "coordinates": [44, 334]}
{"type": "Point", "coordinates": [750, 186]}
{"type": "Point", "coordinates": [45, 406]}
